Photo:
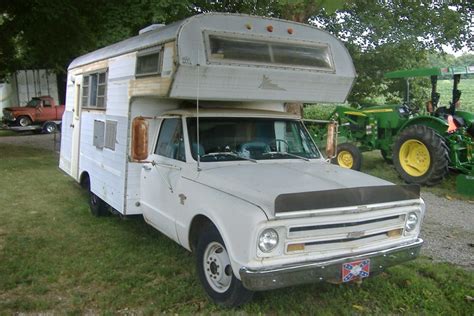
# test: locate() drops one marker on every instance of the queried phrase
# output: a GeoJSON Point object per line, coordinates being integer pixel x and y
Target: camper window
{"type": "Point", "coordinates": [239, 50]}
{"type": "Point", "coordinates": [148, 62]}
{"type": "Point", "coordinates": [94, 89]}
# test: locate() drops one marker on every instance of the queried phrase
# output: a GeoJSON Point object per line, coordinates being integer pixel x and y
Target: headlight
{"type": "Point", "coordinates": [412, 220]}
{"type": "Point", "coordinates": [268, 240]}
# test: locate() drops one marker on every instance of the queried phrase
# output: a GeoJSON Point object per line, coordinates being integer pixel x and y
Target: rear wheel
{"type": "Point", "coordinates": [97, 206]}
{"type": "Point", "coordinates": [50, 128]}
{"type": "Point", "coordinates": [421, 155]}
{"type": "Point", "coordinates": [348, 156]}
{"type": "Point", "coordinates": [215, 271]}
{"type": "Point", "coordinates": [23, 121]}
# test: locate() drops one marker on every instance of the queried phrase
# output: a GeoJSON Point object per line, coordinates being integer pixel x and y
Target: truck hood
{"type": "Point", "coordinates": [19, 109]}
{"type": "Point", "coordinates": [261, 183]}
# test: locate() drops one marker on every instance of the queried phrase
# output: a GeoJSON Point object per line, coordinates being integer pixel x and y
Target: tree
{"type": "Point", "coordinates": [389, 35]}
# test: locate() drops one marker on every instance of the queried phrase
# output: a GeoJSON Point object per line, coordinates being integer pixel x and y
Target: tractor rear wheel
{"type": "Point", "coordinates": [420, 155]}
{"type": "Point", "coordinates": [348, 156]}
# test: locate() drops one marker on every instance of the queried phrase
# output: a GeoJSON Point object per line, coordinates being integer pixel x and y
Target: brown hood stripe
{"type": "Point", "coordinates": [315, 200]}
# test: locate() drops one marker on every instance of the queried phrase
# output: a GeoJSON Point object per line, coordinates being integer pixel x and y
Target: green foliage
{"type": "Point", "coordinates": [390, 35]}
{"type": "Point", "coordinates": [56, 258]}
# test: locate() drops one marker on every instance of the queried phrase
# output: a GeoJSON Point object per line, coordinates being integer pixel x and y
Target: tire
{"type": "Point", "coordinates": [50, 128]}
{"type": "Point", "coordinates": [420, 155]}
{"type": "Point", "coordinates": [348, 156]}
{"type": "Point", "coordinates": [387, 157]}
{"type": "Point", "coordinates": [23, 121]}
{"type": "Point", "coordinates": [215, 272]}
{"type": "Point", "coordinates": [97, 206]}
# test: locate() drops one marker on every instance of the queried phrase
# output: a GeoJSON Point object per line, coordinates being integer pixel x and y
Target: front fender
{"type": "Point", "coordinates": [235, 219]}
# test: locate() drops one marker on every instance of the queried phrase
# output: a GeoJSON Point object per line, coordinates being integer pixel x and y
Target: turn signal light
{"type": "Point", "coordinates": [270, 28]}
{"type": "Point", "coordinates": [295, 247]}
{"type": "Point", "coordinates": [394, 233]}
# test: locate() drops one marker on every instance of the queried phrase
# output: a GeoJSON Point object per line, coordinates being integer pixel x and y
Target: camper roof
{"type": "Point", "coordinates": [231, 112]}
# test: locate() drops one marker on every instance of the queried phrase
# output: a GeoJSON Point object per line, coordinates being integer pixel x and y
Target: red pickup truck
{"type": "Point", "coordinates": [38, 110]}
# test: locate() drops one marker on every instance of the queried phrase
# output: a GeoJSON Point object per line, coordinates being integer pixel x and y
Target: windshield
{"type": "Point", "coordinates": [228, 139]}
{"type": "Point", "coordinates": [34, 102]}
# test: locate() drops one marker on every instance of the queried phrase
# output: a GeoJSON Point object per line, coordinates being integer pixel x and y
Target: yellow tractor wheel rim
{"type": "Point", "coordinates": [414, 158]}
{"type": "Point", "coordinates": [345, 159]}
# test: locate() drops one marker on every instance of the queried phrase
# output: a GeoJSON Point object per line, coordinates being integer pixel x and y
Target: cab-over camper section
{"type": "Point", "coordinates": [242, 61]}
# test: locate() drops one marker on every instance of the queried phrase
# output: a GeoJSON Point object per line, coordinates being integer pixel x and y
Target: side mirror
{"type": "Point", "coordinates": [331, 141]}
{"type": "Point", "coordinates": [139, 139]}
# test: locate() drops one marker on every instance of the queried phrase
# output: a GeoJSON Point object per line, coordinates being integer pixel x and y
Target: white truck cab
{"type": "Point", "coordinates": [187, 125]}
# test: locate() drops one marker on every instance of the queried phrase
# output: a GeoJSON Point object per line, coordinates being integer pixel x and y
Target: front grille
{"type": "Point", "coordinates": [348, 232]}
{"type": "Point", "coordinates": [338, 225]}
{"type": "Point", "coordinates": [7, 115]}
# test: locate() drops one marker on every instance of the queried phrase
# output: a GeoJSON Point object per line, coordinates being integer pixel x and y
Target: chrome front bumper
{"type": "Point", "coordinates": [329, 270]}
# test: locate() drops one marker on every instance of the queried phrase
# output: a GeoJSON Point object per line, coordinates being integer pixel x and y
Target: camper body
{"type": "Point", "coordinates": [227, 172]}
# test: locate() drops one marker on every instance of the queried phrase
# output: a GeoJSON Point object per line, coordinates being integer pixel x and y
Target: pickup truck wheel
{"type": "Point", "coordinates": [97, 205]}
{"type": "Point", "coordinates": [215, 271]}
{"type": "Point", "coordinates": [50, 128]}
{"type": "Point", "coordinates": [23, 121]}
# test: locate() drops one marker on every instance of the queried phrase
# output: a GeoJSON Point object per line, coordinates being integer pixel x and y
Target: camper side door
{"type": "Point", "coordinates": [161, 177]}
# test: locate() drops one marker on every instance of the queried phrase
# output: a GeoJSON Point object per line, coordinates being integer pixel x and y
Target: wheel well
{"type": "Point", "coordinates": [198, 224]}
{"type": "Point", "coordinates": [84, 180]}
{"type": "Point", "coordinates": [25, 115]}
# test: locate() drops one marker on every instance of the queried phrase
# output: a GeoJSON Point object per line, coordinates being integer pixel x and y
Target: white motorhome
{"type": "Point", "coordinates": [186, 125]}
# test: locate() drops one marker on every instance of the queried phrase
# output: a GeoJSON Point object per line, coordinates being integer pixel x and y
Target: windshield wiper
{"type": "Point", "coordinates": [286, 153]}
{"type": "Point", "coordinates": [229, 153]}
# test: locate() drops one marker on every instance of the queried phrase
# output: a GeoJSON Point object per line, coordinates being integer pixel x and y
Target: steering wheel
{"type": "Point", "coordinates": [276, 141]}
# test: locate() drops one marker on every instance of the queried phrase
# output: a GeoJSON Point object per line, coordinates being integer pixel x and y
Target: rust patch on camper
{"type": "Point", "coordinates": [149, 86]}
{"type": "Point", "coordinates": [95, 66]}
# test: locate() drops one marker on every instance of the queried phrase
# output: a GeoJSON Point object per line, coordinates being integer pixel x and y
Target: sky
{"type": "Point", "coordinates": [449, 50]}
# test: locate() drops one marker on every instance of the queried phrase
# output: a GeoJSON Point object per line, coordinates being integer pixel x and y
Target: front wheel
{"type": "Point", "coordinates": [420, 155]}
{"type": "Point", "coordinates": [23, 121]}
{"type": "Point", "coordinates": [215, 271]}
{"type": "Point", "coordinates": [348, 156]}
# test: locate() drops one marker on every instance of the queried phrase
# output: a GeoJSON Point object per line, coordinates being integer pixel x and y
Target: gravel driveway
{"type": "Point", "coordinates": [448, 227]}
{"type": "Point", "coordinates": [448, 230]}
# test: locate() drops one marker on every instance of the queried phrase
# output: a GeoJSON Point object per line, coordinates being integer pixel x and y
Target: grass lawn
{"type": "Point", "coordinates": [5, 132]}
{"type": "Point", "coordinates": [55, 257]}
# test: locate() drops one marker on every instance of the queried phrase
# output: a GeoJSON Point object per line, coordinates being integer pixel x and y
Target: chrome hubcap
{"type": "Point", "coordinates": [217, 267]}
{"type": "Point", "coordinates": [50, 128]}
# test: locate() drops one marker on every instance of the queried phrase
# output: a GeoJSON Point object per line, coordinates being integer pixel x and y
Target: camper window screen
{"type": "Point", "coordinates": [94, 87]}
{"type": "Point", "coordinates": [148, 64]}
{"type": "Point", "coordinates": [240, 50]}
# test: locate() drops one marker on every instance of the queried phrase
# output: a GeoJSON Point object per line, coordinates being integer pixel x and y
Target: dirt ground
{"type": "Point", "coordinates": [448, 227]}
{"type": "Point", "coordinates": [43, 141]}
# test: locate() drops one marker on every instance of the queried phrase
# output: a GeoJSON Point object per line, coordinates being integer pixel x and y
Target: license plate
{"type": "Point", "coordinates": [355, 270]}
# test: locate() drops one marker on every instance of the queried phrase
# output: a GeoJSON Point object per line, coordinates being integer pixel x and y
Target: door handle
{"type": "Point", "coordinates": [146, 168]}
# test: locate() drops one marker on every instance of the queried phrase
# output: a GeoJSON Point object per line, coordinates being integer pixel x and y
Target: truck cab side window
{"type": "Point", "coordinates": [170, 140]}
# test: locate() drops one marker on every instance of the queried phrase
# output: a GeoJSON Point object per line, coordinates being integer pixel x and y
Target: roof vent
{"type": "Point", "coordinates": [151, 28]}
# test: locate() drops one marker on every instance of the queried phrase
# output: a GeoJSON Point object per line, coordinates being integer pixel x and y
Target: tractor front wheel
{"type": "Point", "coordinates": [420, 155]}
{"type": "Point", "coordinates": [348, 156]}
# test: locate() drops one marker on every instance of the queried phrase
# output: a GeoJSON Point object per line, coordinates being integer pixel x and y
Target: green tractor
{"type": "Point", "coordinates": [422, 147]}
